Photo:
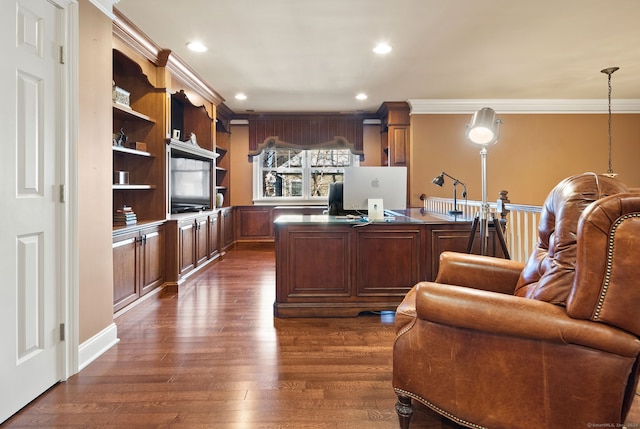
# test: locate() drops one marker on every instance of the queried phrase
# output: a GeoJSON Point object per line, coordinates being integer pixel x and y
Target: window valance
{"type": "Point", "coordinates": [306, 132]}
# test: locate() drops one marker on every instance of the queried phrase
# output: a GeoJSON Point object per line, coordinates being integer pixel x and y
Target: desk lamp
{"type": "Point", "coordinates": [439, 181]}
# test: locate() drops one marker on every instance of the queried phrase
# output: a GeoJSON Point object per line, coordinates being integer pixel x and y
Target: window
{"type": "Point", "coordinates": [298, 175]}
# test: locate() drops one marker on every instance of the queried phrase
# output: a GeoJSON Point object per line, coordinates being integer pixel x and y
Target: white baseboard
{"type": "Point", "coordinates": [95, 346]}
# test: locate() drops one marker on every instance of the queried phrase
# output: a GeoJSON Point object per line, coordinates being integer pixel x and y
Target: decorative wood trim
{"type": "Point", "coordinates": [224, 115]}
{"type": "Point", "coordinates": [338, 142]}
{"type": "Point", "coordinates": [133, 37]}
{"type": "Point", "coordinates": [185, 73]}
{"type": "Point", "coordinates": [182, 97]}
{"type": "Point", "coordinates": [306, 132]}
{"type": "Point", "coordinates": [122, 57]}
{"type": "Point", "coordinates": [393, 113]}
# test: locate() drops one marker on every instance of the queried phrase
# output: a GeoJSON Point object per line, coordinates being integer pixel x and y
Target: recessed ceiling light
{"type": "Point", "coordinates": [241, 96]}
{"type": "Point", "coordinates": [361, 96]}
{"type": "Point", "coordinates": [196, 47]}
{"type": "Point", "coordinates": [382, 48]}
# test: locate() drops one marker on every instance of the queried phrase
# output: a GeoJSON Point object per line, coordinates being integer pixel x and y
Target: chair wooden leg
{"type": "Point", "coordinates": [404, 409]}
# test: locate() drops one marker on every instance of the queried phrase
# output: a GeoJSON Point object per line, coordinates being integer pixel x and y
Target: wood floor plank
{"type": "Point", "coordinates": [215, 357]}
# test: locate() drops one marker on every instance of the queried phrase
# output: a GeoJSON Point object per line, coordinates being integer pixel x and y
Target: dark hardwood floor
{"type": "Point", "coordinates": [215, 357]}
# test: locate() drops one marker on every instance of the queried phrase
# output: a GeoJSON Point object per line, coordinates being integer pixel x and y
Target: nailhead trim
{"type": "Point", "coordinates": [610, 249]}
{"type": "Point", "coordinates": [439, 410]}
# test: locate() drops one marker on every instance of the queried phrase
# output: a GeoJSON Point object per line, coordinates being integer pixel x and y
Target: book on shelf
{"type": "Point", "coordinates": [125, 216]}
{"type": "Point", "coordinates": [124, 209]}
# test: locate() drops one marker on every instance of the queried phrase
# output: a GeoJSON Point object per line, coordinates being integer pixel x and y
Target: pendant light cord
{"type": "Point", "coordinates": [609, 71]}
{"type": "Point", "coordinates": [610, 170]}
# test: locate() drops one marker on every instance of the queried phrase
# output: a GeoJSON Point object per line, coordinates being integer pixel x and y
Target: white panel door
{"type": "Point", "coordinates": [30, 259]}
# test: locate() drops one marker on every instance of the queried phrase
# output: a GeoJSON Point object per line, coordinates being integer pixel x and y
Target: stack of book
{"type": "Point", "coordinates": [125, 216]}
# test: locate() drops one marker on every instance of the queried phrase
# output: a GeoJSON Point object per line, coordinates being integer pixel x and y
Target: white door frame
{"type": "Point", "coordinates": [68, 300]}
{"type": "Point", "coordinates": [70, 307]}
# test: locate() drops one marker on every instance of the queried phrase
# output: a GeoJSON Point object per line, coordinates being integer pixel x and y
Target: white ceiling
{"type": "Point", "coordinates": [316, 55]}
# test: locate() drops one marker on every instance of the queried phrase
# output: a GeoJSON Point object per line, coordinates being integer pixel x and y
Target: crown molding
{"type": "Point", "coordinates": [524, 106]}
{"type": "Point", "coordinates": [105, 6]}
{"type": "Point", "coordinates": [182, 70]}
{"type": "Point", "coordinates": [137, 40]}
{"type": "Point", "coordinates": [133, 37]}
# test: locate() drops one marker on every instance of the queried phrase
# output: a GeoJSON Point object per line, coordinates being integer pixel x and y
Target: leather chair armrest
{"type": "Point", "coordinates": [406, 311]}
{"type": "Point", "coordinates": [501, 314]}
{"type": "Point", "coordinates": [479, 272]}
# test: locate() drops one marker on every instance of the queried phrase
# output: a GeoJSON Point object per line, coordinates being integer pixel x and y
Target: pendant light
{"type": "Point", "coordinates": [609, 71]}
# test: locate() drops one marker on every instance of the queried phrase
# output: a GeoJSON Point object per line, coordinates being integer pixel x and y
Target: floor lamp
{"type": "Point", "coordinates": [484, 130]}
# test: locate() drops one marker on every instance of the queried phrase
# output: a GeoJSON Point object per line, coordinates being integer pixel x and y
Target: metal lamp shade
{"type": "Point", "coordinates": [483, 128]}
{"type": "Point", "coordinates": [438, 180]}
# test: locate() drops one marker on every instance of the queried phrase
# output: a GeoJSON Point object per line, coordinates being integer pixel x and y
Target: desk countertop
{"type": "Point", "coordinates": [409, 216]}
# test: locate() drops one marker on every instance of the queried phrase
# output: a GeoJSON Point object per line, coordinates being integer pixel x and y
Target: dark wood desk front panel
{"type": "Point", "coordinates": [340, 268]}
{"type": "Point", "coordinates": [387, 260]}
{"type": "Point", "coordinates": [330, 267]}
{"type": "Point", "coordinates": [316, 264]}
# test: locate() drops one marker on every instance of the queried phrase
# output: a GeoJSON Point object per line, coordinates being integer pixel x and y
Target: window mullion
{"type": "Point", "coordinates": [306, 175]}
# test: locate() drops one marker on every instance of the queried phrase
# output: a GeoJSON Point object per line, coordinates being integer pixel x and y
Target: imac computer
{"type": "Point", "coordinates": [364, 185]}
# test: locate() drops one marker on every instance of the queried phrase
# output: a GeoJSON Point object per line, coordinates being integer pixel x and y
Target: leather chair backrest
{"type": "Point", "coordinates": [549, 273]}
{"type": "Point", "coordinates": [607, 280]}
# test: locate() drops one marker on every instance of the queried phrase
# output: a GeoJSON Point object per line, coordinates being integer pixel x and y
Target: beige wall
{"type": "Point", "coordinates": [241, 168]}
{"type": "Point", "coordinates": [533, 154]}
{"type": "Point", "coordinates": [94, 172]}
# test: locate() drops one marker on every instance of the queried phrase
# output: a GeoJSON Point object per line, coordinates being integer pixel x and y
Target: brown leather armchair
{"type": "Point", "coordinates": [494, 343]}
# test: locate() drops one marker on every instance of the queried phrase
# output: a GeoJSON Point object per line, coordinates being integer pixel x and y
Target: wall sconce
{"type": "Point", "coordinates": [483, 130]}
{"type": "Point", "coordinates": [439, 181]}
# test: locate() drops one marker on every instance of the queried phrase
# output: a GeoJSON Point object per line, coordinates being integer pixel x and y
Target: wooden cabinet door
{"type": "Point", "coordinates": [254, 223]}
{"type": "Point", "coordinates": [152, 258]}
{"type": "Point", "coordinates": [214, 237]}
{"type": "Point", "coordinates": [399, 145]}
{"type": "Point", "coordinates": [201, 240]}
{"type": "Point", "coordinates": [314, 264]}
{"type": "Point", "coordinates": [126, 285]}
{"type": "Point", "coordinates": [387, 260]}
{"type": "Point", "coordinates": [227, 228]}
{"type": "Point", "coordinates": [186, 245]}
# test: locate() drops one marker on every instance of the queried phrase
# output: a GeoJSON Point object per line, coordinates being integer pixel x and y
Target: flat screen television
{"type": "Point", "coordinates": [362, 183]}
{"type": "Point", "coordinates": [190, 184]}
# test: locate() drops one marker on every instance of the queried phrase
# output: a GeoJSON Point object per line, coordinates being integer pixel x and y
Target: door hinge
{"type": "Point", "coordinates": [62, 335]}
{"type": "Point", "coordinates": [61, 54]}
{"type": "Point", "coordinates": [62, 194]}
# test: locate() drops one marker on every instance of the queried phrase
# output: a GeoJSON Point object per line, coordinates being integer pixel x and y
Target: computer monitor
{"type": "Point", "coordinates": [386, 183]}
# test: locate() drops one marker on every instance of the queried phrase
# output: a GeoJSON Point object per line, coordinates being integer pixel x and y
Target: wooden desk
{"type": "Point", "coordinates": [335, 267]}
